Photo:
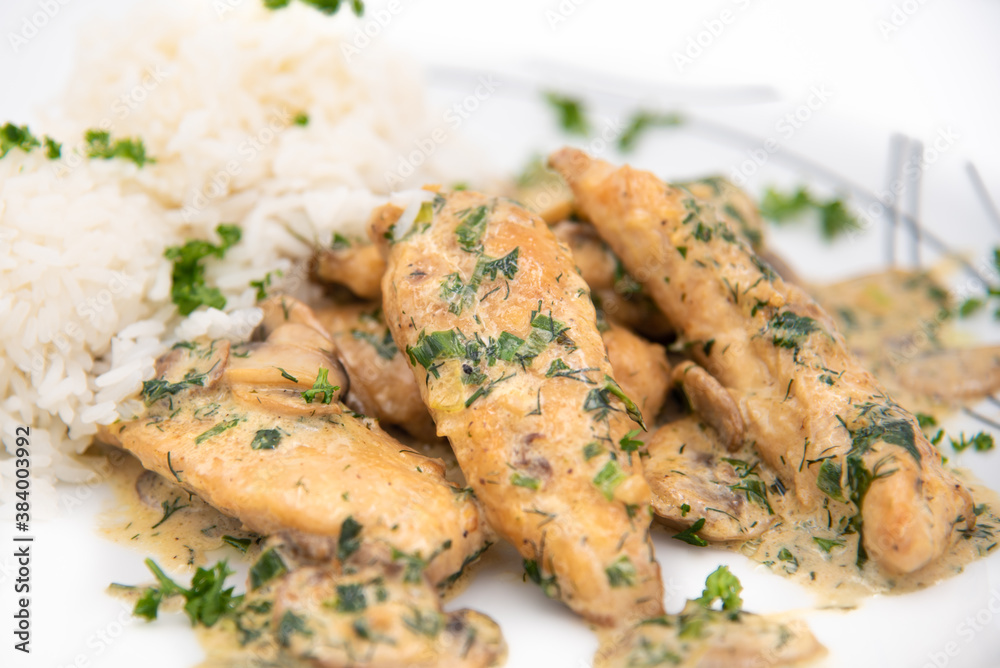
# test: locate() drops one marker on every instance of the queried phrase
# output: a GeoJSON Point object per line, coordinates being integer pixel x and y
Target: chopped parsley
{"type": "Point", "coordinates": [13, 136]}
{"type": "Point", "coordinates": [722, 586]}
{"type": "Point", "coordinates": [384, 345]}
{"type": "Point", "coordinates": [520, 480]}
{"type": "Point", "coordinates": [548, 584]}
{"type": "Point", "coordinates": [158, 388]}
{"type": "Point", "coordinates": [349, 541]}
{"type": "Point", "coordinates": [609, 478]}
{"type": "Point", "coordinates": [642, 121]}
{"type": "Point", "coordinates": [188, 290]}
{"type": "Point", "coordinates": [834, 216]}
{"type": "Point", "coordinates": [100, 145]}
{"type": "Point", "coordinates": [321, 388]}
{"type": "Point", "coordinates": [240, 544]}
{"type": "Point", "coordinates": [216, 430]}
{"type": "Point", "coordinates": [621, 573]}
{"type": "Point", "coordinates": [291, 623]}
{"type": "Point", "coordinates": [328, 7]}
{"type": "Point", "coordinates": [827, 544]}
{"type": "Point", "coordinates": [981, 442]}
{"type": "Point", "coordinates": [269, 566]}
{"type": "Point", "coordinates": [351, 598]}
{"type": "Point", "coordinates": [169, 508]}
{"type": "Point", "coordinates": [266, 439]}
{"type": "Point", "coordinates": [570, 113]}
{"type": "Point", "coordinates": [470, 231]}
{"type": "Point", "coordinates": [789, 330]}
{"type": "Point", "coordinates": [690, 535]}
{"type": "Point", "coordinates": [206, 601]}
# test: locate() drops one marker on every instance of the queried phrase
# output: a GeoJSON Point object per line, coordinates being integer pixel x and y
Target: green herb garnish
{"type": "Point", "coordinates": [99, 145]}
{"type": "Point", "coordinates": [571, 114]}
{"type": "Point", "coordinates": [188, 290]}
{"type": "Point", "coordinates": [641, 122]}
{"type": "Point", "coordinates": [690, 535]}
{"type": "Point", "coordinates": [835, 218]}
{"type": "Point", "coordinates": [621, 573]}
{"type": "Point", "coordinates": [216, 430]}
{"type": "Point", "coordinates": [266, 439]}
{"type": "Point", "coordinates": [269, 566]}
{"type": "Point", "coordinates": [321, 388]}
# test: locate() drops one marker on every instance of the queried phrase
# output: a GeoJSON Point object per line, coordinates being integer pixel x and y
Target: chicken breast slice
{"type": "Point", "coordinates": [298, 462]}
{"type": "Point", "coordinates": [501, 335]}
{"type": "Point", "coordinates": [819, 420]}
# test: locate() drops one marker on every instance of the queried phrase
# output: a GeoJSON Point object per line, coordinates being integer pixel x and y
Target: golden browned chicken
{"type": "Point", "coordinates": [377, 617]}
{"type": "Point", "coordinates": [382, 384]}
{"type": "Point", "coordinates": [819, 420]}
{"type": "Point", "coordinates": [617, 296]}
{"type": "Point", "coordinates": [640, 367]}
{"type": "Point", "coordinates": [501, 335]}
{"type": "Point", "coordinates": [353, 263]}
{"type": "Point", "coordinates": [258, 432]}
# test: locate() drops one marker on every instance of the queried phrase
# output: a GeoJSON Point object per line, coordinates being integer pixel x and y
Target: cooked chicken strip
{"type": "Point", "coordinates": [820, 420]}
{"type": "Point", "coordinates": [616, 294]}
{"type": "Point", "coordinates": [355, 264]}
{"type": "Point", "coordinates": [693, 477]}
{"type": "Point", "coordinates": [281, 469]}
{"type": "Point", "coordinates": [732, 204]}
{"type": "Point", "coordinates": [382, 384]}
{"type": "Point", "coordinates": [501, 335]}
{"type": "Point", "coordinates": [640, 367]}
{"type": "Point", "coordinates": [378, 618]}
{"type": "Point", "coordinates": [699, 638]}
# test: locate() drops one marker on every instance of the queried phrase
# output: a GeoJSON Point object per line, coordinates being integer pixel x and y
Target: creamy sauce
{"type": "Point", "coordinates": [789, 549]}
{"type": "Point", "coordinates": [181, 541]}
{"type": "Point", "coordinates": [890, 319]}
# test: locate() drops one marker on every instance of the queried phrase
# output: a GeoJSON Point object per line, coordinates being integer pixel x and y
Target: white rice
{"type": "Point", "coordinates": [84, 288]}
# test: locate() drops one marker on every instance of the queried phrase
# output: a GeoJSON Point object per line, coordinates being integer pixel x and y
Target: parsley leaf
{"type": "Point", "coordinates": [188, 290]}
{"type": "Point", "coordinates": [99, 145]}
{"type": "Point", "coordinates": [981, 442]}
{"type": "Point", "coordinates": [722, 585]}
{"type": "Point", "coordinates": [642, 121]}
{"type": "Point", "coordinates": [321, 387]}
{"type": "Point", "coordinates": [834, 216]}
{"type": "Point", "coordinates": [13, 136]}
{"type": "Point", "coordinates": [328, 7]}
{"type": "Point", "coordinates": [571, 113]}
{"type": "Point", "coordinates": [690, 535]}
{"type": "Point", "coordinates": [206, 602]}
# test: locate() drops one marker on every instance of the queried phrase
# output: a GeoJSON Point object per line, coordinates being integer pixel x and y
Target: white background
{"type": "Point", "coordinates": [940, 69]}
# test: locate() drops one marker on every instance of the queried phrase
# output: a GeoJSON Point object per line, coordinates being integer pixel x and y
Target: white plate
{"type": "Point", "coordinates": [955, 623]}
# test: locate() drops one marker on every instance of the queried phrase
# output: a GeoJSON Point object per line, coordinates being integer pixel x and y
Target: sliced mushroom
{"type": "Point", "coordinates": [692, 479]}
{"type": "Point", "coordinates": [712, 402]}
{"type": "Point", "coordinates": [961, 374]}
